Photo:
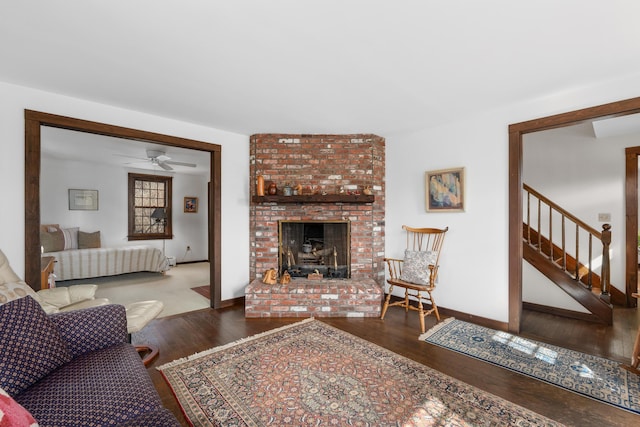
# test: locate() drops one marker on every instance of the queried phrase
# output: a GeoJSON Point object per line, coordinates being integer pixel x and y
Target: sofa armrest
{"type": "Point", "coordinates": [92, 328]}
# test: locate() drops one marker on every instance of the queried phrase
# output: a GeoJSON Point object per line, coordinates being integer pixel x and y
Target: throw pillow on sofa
{"type": "Point", "coordinates": [30, 345]}
{"type": "Point", "coordinates": [14, 414]}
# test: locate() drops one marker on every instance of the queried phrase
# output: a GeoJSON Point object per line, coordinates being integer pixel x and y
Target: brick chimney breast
{"type": "Point", "coordinates": [333, 171]}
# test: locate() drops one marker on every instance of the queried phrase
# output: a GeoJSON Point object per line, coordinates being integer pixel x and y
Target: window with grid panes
{"type": "Point", "coordinates": [149, 207]}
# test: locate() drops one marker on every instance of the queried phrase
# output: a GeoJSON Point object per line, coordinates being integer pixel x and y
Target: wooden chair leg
{"type": "Point", "coordinates": [421, 313]}
{"type": "Point", "coordinates": [434, 307]}
{"type": "Point", "coordinates": [386, 304]}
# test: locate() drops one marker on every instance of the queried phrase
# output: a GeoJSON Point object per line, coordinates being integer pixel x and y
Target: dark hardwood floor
{"type": "Point", "coordinates": [182, 335]}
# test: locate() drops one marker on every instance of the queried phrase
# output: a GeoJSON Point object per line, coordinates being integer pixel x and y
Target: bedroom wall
{"type": "Point", "coordinates": [235, 171]}
{"type": "Point", "coordinates": [585, 175]}
{"type": "Point", "coordinates": [111, 217]}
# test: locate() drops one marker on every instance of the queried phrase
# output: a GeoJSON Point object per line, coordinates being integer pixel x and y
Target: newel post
{"type": "Point", "coordinates": [606, 272]}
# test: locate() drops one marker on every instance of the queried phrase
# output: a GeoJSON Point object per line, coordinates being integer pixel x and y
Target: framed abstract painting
{"type": "Point", "coordinates": [445, 190]}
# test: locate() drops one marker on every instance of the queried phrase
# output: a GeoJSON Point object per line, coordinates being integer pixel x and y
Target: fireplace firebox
{"type": "Point", "coordinates": [315, 246]}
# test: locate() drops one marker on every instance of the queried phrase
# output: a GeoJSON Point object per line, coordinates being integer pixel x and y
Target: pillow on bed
{"type": "Point", "coordinates": [88, 240]}
{"type": "Point", "coordinates": [52, 241]}
{"type": "Point", "coordinates": [70, 238]}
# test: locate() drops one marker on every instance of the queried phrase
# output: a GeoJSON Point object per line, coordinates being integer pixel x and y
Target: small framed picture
{"type": "Point", "coordinates": [83, 200]}
{"type": "Point", "coordinates": [445, 190]}
{"type": "Point", "coordinates": [191, 204]}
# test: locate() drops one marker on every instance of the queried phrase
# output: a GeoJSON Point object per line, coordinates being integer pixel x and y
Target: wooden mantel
{"type": "Point", "coordinates": [315, 198]}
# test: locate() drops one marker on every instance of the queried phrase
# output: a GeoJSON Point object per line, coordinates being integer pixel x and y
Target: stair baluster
{"type": "Point", "coordinates": [570, 263]}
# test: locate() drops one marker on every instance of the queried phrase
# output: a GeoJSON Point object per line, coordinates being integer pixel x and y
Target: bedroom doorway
{"type": "Point", "coordinates": [34, 121]}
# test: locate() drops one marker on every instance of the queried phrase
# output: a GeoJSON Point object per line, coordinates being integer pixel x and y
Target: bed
{"type": "Point", "coordinates": [97, 262]}
{"type": "Point", "coordinates": [79, 255]}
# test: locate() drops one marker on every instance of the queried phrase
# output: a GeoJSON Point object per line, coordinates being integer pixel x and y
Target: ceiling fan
{"type": "Point", "coordinates": [160, 158]}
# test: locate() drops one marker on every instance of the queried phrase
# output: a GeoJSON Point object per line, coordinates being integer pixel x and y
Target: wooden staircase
{"type": "Point", "coordinates": [599, 306]}
{"type": "Point", "coordinates": [578, 279]}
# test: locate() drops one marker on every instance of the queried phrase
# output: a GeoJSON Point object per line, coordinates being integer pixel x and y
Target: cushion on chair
{"type": "Point", "coordinates": [13, 414]}
{"type": "Point", "coordinates": [415, 268]}
{"type": "Point", "coordinates": [140, 313]}
{"type": "Point", "coordinates": [32, 346]}
{"type": "Point", "coordinates": [13, 290]}
{"type": "Point", "coordinates": [7, 275]}
{"type": "Point", "coordinates": [63, 296]}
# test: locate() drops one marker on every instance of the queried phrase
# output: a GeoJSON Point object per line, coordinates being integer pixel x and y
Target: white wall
{"type": "Point", "coordinates": [473, 275]}
{"type": "Point", "coordinates": [111, 217]}
{"type": "Point", "coordinates": [586, 176]}
{"type": "Point", "coordinates": [235, 172]}
{"type": "Point", "coordinates": [474, 266]}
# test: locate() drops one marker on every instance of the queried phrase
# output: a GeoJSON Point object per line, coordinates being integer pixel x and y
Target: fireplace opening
{"type": "Point", "coordinates": [307, 246]}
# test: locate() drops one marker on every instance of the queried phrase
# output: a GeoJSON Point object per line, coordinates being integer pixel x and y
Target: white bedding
{"type": "Point", "coordinates": [85, 263]}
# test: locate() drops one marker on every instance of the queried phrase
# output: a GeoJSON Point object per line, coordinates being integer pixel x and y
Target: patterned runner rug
{"type": "Point", "coordinates": [312, 374]}
{"type": "Point", "coordinates": [591, 376]}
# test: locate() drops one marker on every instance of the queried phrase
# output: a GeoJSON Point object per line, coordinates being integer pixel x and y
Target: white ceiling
{"type": "Point", "coordinates": [616, 126]}
{"type": "Point", "coordinates": [121, 153]}
{"type": "Point", "coordinates": [310, 66]}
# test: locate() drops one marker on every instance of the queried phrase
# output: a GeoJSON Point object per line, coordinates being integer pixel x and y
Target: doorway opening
{"type": "Point", "coordinates": [34, 120]}
{"type": "Point", "coordinates": [516, 133]}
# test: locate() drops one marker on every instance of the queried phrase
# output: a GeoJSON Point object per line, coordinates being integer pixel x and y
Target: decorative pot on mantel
{"type": "Point", "coordinates": [273, 189]}
{"type": "Point", "coordinates": [260, 186]}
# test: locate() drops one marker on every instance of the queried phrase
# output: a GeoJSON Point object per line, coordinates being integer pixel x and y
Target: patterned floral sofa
{"type": "Point", "coordinates": [74, 369]}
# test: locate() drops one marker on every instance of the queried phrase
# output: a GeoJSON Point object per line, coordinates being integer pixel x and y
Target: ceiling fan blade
{"type": "Point", "coordinates": [171, 162]}
{"type": "Point", "coordinates": [165, 166]}
{"type": "Point", "coordinates": [132, 157]}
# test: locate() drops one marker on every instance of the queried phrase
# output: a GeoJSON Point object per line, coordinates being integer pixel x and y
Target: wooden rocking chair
{"type": "Point", "coordinates": [417, 272]}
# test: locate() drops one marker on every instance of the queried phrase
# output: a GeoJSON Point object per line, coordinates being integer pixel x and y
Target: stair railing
{"type": "Point", "coordinates": [544, 213]}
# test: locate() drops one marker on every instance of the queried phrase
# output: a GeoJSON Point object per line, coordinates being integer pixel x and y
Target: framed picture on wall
{"type": "Point", "coordinates": [445, 190]}
{"type": "Point", "coordinates": [83, 200]}
{"type": "Point", "coordinates": [191, 204]}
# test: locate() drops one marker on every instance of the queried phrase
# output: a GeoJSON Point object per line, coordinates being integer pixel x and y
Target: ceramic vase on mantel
{"type": "Point", "coordinates": [260, 186]}
{"type": "Point", "coordinates": [273, 189]}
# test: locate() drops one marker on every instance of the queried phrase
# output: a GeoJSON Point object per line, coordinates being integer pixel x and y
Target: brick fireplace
{"type": "Point", "coordinates": [328, 179]}
{"type": "Point", "coordinates": [342, 178]}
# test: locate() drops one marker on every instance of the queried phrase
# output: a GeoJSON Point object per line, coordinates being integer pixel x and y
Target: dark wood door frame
{"type": "Point", "coordinates": [631, 208]}
{"type": "Point", "coordinates": [33, 120]}
{"type": "Point", "coordinates": [516, 133]}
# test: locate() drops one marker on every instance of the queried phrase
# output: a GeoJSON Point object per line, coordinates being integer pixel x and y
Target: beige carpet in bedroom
{"type": "Point", "coordinates": [173, 288]}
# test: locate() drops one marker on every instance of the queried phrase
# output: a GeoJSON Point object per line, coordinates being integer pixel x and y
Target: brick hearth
{"type": "Point", "coordinates": [314, 298]}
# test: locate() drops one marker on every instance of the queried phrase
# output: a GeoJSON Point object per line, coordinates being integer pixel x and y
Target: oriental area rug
{"type": "Point", "coordinates": [312, 374]}
{"type": "Point", "coordinates": [590, 376]}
